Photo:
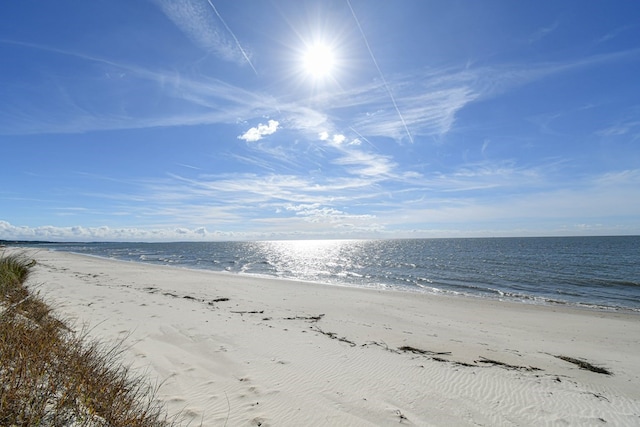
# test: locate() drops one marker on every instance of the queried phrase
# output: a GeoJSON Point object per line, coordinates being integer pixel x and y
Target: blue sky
{"type": "Point", "coordinates": [171, 120]}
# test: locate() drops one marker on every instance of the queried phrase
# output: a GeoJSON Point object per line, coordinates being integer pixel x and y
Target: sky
{"type": "Point", "coordinates": [182, 120]}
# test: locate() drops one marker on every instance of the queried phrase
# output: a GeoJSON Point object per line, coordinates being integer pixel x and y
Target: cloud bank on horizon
{"type": "Point", "coordinates": [210, 120]}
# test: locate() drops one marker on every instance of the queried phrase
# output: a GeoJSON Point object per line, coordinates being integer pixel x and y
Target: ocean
{"type": "Point", "coordinates": [596, 272]}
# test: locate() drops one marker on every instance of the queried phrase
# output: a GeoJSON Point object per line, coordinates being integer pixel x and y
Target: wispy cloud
{"type": "Point", "coordinates": [187, 99]}
{"type": "Point", "coordinates": [317, 213]}
{"type": "Point", "coordinates": [613, 34]}
{"type": "Point", "coordinates": [614, 197]}
{"type": "Point", "coordinates": [543, 32]}
{"type": "Point", "coordinates": [244, 53]}
{"type": "Point", "coordinates": [272, 206]}
{"type": "Point", "coordinates": [619, 179]}
{"type": "Point", "coordinates": [196, 20]}
{"type": "Point", "coordinates": [429, 111]}
{"type": "Point", "coordinates": [431, 99]}
{"type": "Point", "coordinates": [366, 164]}
{"type": "Point", "coordinates": [188, 166]}
{"type": "Point", "coordinates": [368, 177]}
{"type": "Point", "coordinates": [627, 127]}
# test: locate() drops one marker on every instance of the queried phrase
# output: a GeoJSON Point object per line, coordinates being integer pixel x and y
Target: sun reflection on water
{"type": "Point", "coordinates": [313, 260]}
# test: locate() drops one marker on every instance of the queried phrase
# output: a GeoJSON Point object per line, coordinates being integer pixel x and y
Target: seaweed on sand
{"type": "Point", "coordinates": [584, 365]}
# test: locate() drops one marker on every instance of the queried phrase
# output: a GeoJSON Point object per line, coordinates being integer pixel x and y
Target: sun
{"type": "Point", "coordinates": [319, 60]}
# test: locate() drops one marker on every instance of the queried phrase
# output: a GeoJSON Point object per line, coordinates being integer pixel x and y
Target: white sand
{"type": "Point", "coordinates": [259, 358]}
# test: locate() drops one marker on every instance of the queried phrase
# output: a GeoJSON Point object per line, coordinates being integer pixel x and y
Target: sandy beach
{"type": "Point", "coordinates": [248, 351]}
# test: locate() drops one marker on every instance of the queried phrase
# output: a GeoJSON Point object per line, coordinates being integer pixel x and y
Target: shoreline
{"type": "Point", "coordinates": [524, 299]}
{"type": "Point", "coordinates": [267, 351]}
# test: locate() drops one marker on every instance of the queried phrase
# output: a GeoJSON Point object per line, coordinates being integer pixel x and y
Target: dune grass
{"type": "Point", "coordinates": [52, 376]}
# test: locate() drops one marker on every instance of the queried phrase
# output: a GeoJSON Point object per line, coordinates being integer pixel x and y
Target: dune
{"type": "Point", "coordinates": [239, 350]}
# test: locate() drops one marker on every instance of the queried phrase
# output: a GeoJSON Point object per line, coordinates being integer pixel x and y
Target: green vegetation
{"type": "Point", "coordinates": [50, 375]}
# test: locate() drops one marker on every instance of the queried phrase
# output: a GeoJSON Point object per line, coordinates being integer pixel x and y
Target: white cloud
{"type": "Point", "coordinates": [256, 133]}
{"type": "Point", "coordinates": [339, 139]}
{"type": "Point", "coordinates": [9, 231]}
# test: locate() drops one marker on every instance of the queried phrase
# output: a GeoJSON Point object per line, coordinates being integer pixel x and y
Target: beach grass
{"type": "Point", "coordinates": [51, 375]}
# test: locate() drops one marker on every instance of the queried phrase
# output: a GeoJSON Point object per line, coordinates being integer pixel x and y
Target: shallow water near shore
{"type": "Point", "coordinates": [598, 272]}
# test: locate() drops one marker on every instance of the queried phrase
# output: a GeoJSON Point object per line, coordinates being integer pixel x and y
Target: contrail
{"type": "Point", "coordinates": [234, 37]}
{"type": "Point", "coordinates": [384, 81]}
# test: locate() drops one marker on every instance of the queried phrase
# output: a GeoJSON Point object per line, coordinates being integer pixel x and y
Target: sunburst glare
{"type": "Point", "coordinates": [318, 60]}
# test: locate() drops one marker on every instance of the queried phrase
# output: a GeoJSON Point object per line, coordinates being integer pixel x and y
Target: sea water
{"type": "Point", "coordinates": [599, 272]}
